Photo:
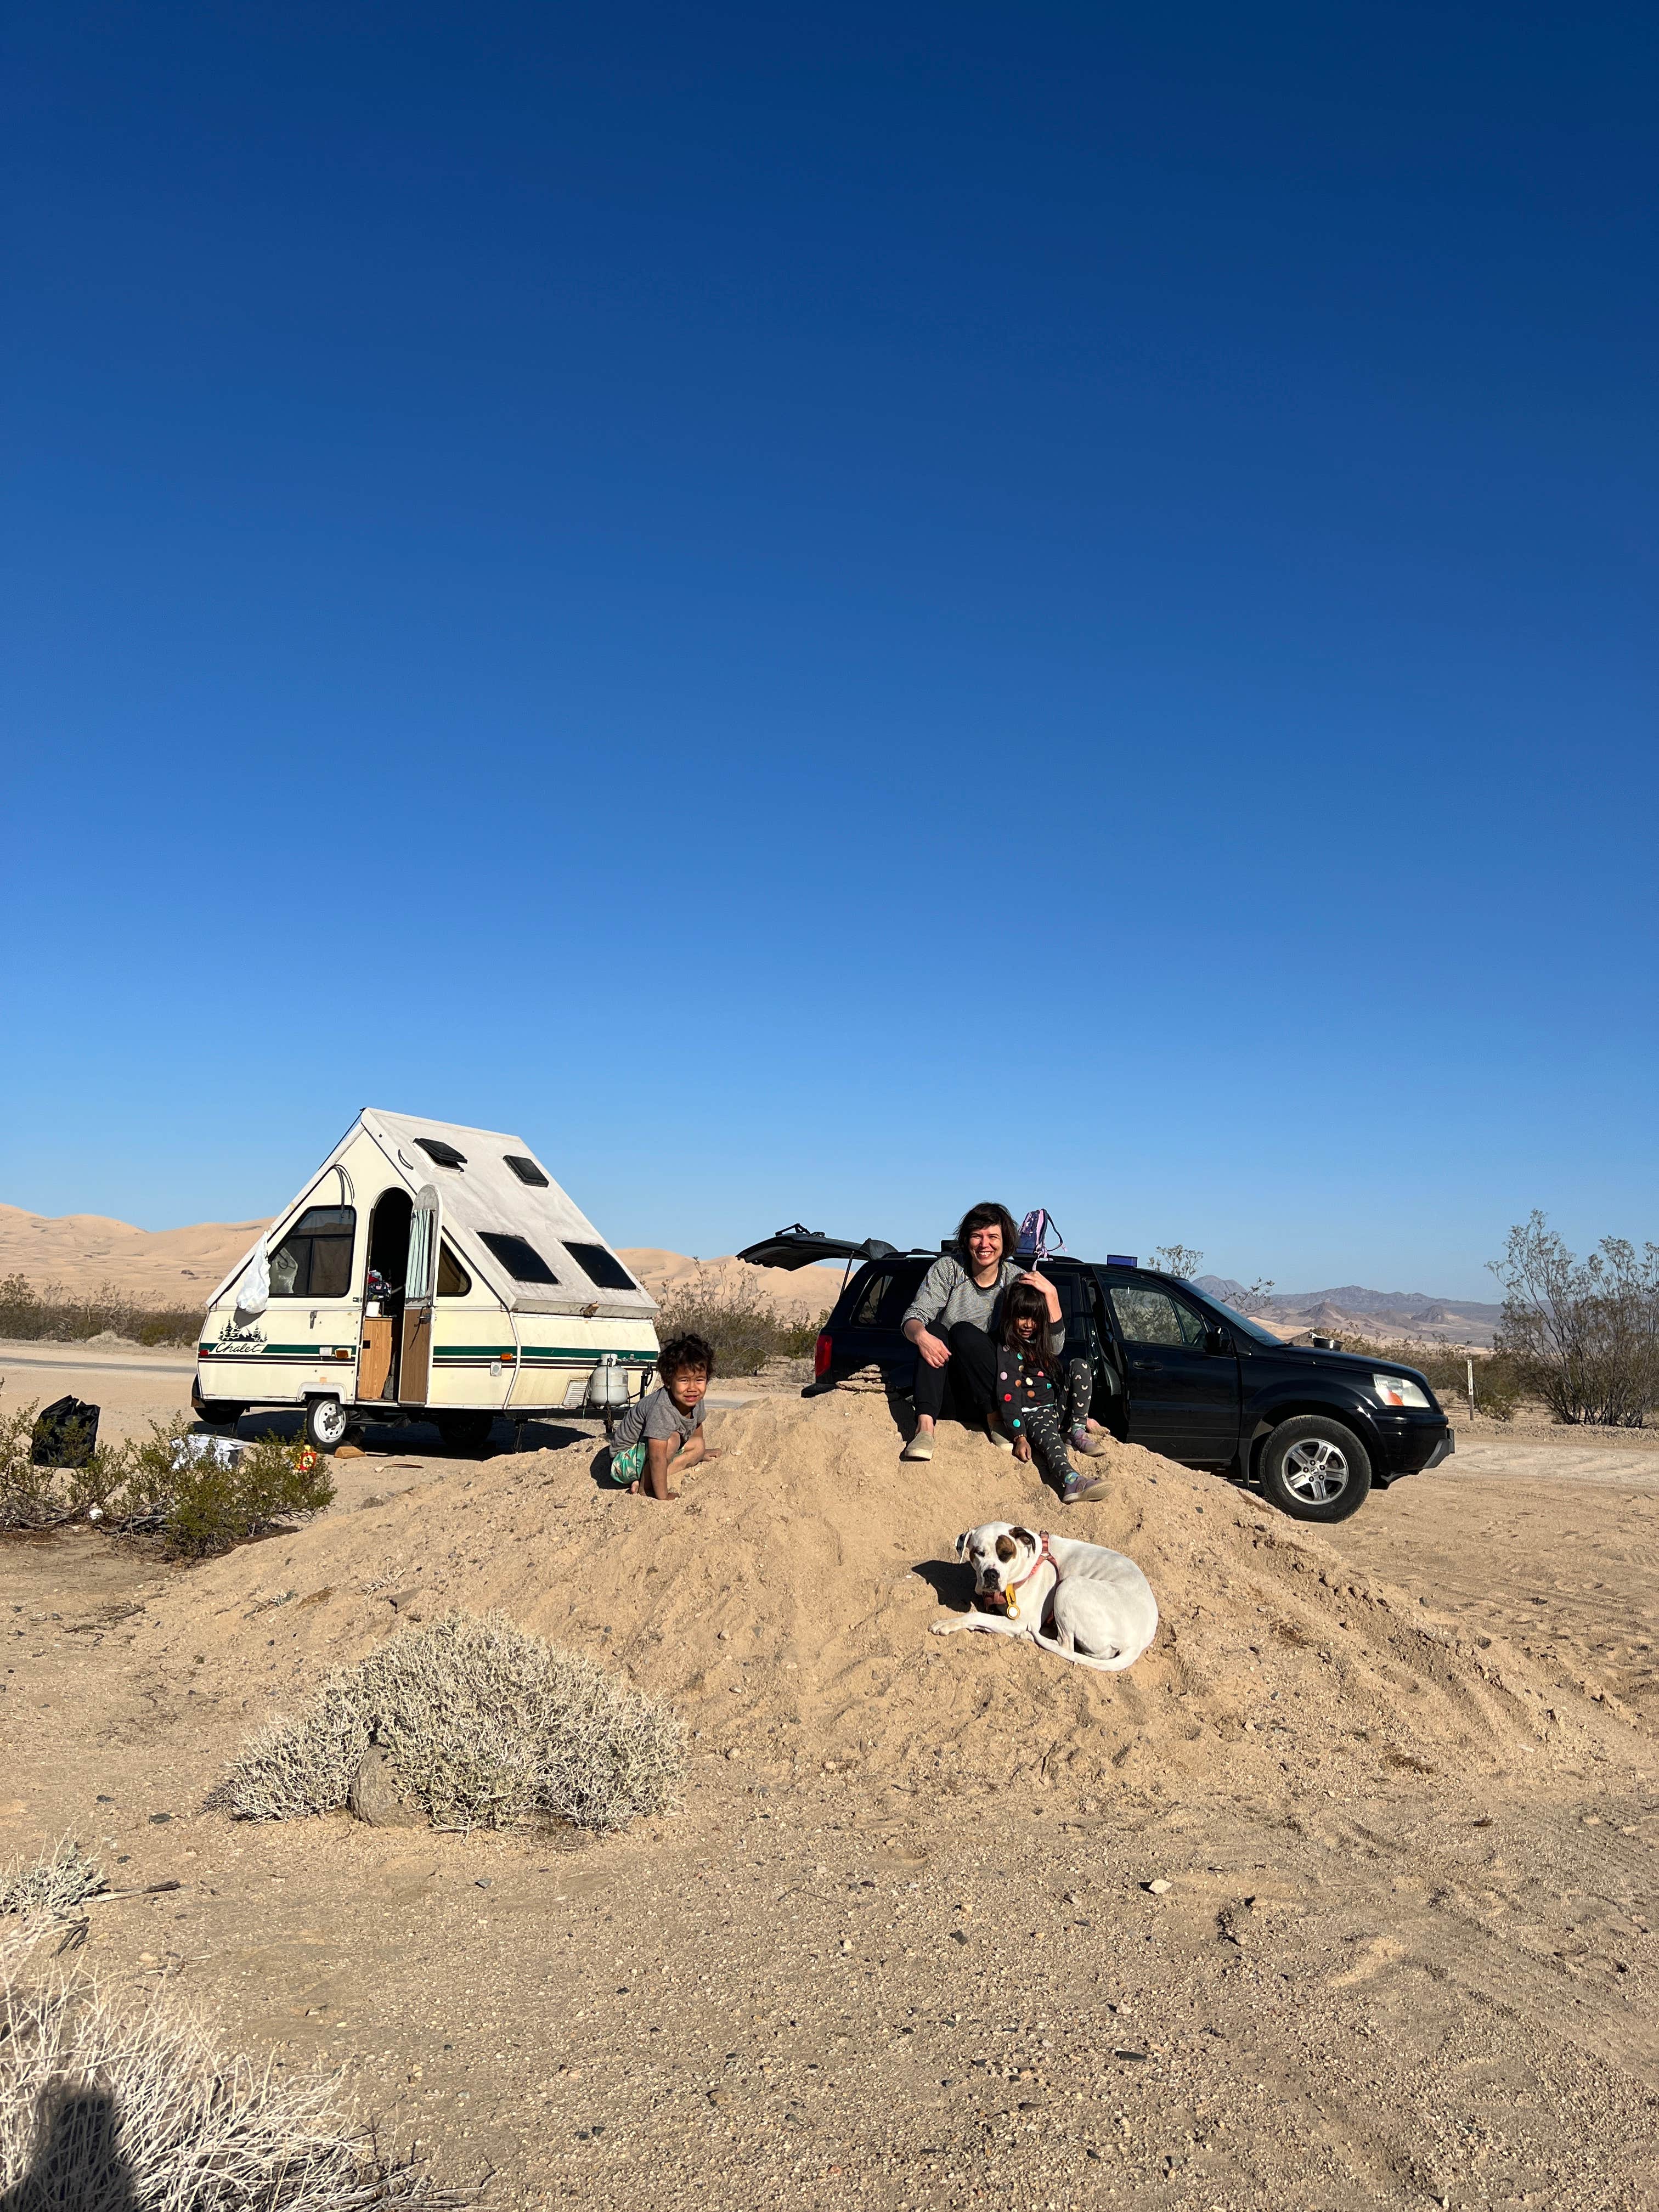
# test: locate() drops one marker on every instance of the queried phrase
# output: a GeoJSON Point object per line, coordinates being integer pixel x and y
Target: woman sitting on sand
{"type": "Point", "coordinates": [955, 1319]}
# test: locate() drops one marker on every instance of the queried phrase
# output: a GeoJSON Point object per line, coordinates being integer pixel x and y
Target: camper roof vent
{"type": "Point", "coordinates": [445, 1155]}
{"type": "Point", "coordinates": [601, 1266]}
{"type": "Point", "coordinates": [521, 1260]}
{"type": "Point", "coordinates": [526, 1170]}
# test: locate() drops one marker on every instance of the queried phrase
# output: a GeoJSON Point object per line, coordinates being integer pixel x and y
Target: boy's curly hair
{"type": "Point", "coordinates": [688, 1351]}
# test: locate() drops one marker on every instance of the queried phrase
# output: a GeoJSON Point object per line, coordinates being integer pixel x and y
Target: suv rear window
{"type": "Point", "coordinates": [521, 1260]}
{"type": "Point", "coordinates": [868, 1302]}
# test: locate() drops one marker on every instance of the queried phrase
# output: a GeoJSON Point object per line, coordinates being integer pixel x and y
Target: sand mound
{"type": "Point", "coordinates": [784, 1610]}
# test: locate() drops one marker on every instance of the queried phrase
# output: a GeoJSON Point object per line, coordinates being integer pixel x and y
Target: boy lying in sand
{"type": "Point", "coordinates": [662, 1435]}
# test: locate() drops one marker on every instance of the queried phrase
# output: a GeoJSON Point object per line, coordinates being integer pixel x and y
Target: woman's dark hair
{"type": "Point", "coordinates": [685, 1351]}
{"type": "Point", "coordinates": [987, 1215]}
{"type": "Point", "coordinates": [1024, 1301]}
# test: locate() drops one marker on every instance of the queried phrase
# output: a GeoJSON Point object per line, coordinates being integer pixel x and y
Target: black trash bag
{"type": "Point", "coordinates": [65, 1434]}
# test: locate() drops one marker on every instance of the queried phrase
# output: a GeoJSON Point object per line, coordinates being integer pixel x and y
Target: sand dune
{"type": "Point", "coordinates": [89, 1252]}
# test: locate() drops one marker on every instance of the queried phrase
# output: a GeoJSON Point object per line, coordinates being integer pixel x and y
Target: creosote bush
{"type": "Point", "coordinates": [58, 1315]}
{"type": "Point", "coordinates": [109, 2106]}
{"type": "Point", "coordinates": [483, 1725]}
{"type": "Point", "coordinates": [1582, 1334]}
{"type": "Point", "coordinates": [737, 1320]}
{"type": "Point", "coordinates": [134, 1489]}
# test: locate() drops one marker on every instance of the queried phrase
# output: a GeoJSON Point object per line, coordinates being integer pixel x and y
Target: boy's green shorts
{"type": "Point", "coordinates": [628, 1464]}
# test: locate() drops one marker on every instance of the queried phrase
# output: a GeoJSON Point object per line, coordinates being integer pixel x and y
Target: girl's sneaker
{"type": "Point", "coordinates": [1082, 1489]}
{"type": "Point", "coordinates": [1093, 1443]}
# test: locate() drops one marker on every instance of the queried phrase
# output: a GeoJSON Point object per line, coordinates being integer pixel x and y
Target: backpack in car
{"type": "Point", "coordinates": [1034, 1234]}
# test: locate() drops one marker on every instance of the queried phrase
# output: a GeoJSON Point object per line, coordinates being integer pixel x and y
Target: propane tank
{"type": "Point", "coordinates": [608, 1384]}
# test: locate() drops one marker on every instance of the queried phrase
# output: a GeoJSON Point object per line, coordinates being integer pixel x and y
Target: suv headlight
{"type": "Point", "coordinates": [1400, 1390]}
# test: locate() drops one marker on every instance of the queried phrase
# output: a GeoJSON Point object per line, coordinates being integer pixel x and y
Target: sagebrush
{"type": "Point", "coordinates": [737, 1320]}
{"type": "Point", "coordinates": [140, 1488]}
{"type": "Point", "coordinates": [483, 1725]}
{"type": "Point", "coordinates": [114, 2106]}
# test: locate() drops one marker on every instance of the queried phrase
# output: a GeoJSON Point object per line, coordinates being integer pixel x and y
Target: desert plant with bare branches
{"type": "Point", "coordinates": [1583, 1335]}
{"type": "Point", "coordinates": [111, 2107]}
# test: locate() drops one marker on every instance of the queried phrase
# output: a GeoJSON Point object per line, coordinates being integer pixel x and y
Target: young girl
{"type": "Point", "coordinates": [1028, 1401]}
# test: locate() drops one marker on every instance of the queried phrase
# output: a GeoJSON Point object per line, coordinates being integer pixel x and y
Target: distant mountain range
{"type": "Point", "coordinates": [1414, 1313]}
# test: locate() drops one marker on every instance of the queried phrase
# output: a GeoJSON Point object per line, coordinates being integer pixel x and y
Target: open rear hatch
{"type": "Point", "coordinates": [796, 1246]}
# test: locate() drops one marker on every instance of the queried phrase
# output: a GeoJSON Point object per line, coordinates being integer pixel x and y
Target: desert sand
{"type": "Point", "coordinates": [900, 1946]}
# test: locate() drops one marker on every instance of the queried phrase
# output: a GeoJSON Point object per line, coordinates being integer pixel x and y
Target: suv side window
{"type": "Point", "coordinates": [868, 1302]}
{"type": "Point", "coordinates": [1147, 1314]}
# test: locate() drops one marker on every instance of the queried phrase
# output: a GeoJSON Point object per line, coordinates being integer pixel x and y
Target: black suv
{"type": "Point", "coordinates": [1317, 1429]}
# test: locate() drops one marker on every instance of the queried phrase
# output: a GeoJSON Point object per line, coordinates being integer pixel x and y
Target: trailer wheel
{"type": "Point", "coordinates": [326, 1422]}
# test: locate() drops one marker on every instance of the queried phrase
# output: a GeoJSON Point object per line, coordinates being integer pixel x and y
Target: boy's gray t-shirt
{"type": "Point", "coordinates": [949, 1294]}
{"type": "Point", "coordinates": [656, 1415]}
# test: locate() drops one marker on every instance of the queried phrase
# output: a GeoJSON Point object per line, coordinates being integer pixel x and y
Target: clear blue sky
{"type": "Point", "coordinates": [829, 611]}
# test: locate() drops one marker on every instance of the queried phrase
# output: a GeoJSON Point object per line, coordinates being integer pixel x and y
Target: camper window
{"type": "Point", "coordinates": [526, 1170]}
{"type": "Point", "coordinates": [601, 1266]}
{"type": "Point", "coordinates": [445, 1155]}
{"type": "Point", "coordinates": [453, 1281]}
{"type": "Point", "coordinates": [521, 1260]}
{"type": "Point", "coordinates": [313, 1261]}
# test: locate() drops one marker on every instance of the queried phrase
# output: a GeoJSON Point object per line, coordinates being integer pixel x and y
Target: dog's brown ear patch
{"type": "Point", "coordinates": [1024, 1536]}
{"type": "Point", "coordinates": [1005, 1550]}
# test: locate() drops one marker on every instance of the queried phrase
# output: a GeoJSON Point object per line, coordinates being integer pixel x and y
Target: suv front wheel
{"type": "Point", "coordinates": [1316, 1469]}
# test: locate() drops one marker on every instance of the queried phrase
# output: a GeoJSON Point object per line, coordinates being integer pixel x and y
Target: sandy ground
{"type": "Point", "coordinates": [899, 1946]}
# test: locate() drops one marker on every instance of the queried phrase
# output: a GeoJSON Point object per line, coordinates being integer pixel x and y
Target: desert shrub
{"type": "Point", "coordinates": [111, 2107]}
{"type": "Point", "coordinates": [800, 1337]}
{"type": "Point", "coordinates": [736, 1318]}
{"type": "Point", "coordinates": [1582, 1334]}
{"type": "Point", "coordinates": [1498, 1386]}
{"type": "Point", "coordinates": [64, 1316]}
{"type": "Point", "coordinates": [1178, 1259]}
{"type": "Point", "coordinates": [53, 1882]}
{"type": "Point", "coordinates": [134, 1489]}
{"type": "Point", "coordinates": [204, 1507]}
{"type": "Point", "coordinates": [482, 1724]}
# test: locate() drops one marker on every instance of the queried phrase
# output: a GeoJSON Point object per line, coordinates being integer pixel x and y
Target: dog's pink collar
{"type": "Point", "coordinates": [1044, 1552]}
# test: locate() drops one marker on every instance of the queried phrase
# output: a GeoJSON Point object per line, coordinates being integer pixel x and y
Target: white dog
{"type": "Point", "coordinates": [1099, 1604]}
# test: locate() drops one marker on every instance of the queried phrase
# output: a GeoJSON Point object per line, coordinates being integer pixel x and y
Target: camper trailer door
{"type": "Point", "coordinates": [420, 1287]}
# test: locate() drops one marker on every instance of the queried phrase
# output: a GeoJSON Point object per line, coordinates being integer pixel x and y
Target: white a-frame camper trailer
{"type": "Point", "coordinates": [426, 1272]}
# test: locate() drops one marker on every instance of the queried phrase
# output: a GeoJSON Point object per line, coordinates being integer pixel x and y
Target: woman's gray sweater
{"type": "Point", "coordinates": [949, 1293]}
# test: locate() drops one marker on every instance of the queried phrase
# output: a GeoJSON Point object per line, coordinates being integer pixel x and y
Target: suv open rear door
{"type": "Point", "coordinates": [796, 1246]}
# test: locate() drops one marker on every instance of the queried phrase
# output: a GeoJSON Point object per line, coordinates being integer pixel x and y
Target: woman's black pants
{"type": "Point", "coordinates": [965, 1387]}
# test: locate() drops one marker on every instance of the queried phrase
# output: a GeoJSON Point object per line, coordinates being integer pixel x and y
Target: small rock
{"type": "Point", "coordinates": [482, 1881]}
{"type": "Point", "coordinates": [157, 1818]}
{"type": "Point", "coordinates": [1160, 1889]}
{"type": "Point", "coordinates": [374, 1796]}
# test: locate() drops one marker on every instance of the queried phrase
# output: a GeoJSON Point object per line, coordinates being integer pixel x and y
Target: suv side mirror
{"type": "Point", "coordinates": [1218, 1340]}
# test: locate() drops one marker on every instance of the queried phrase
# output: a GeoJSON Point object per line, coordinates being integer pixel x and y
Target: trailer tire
{"type": "Point", "coordinates": [326, 1423]}
{"type": "Point", "coordinates": [464, 1433]}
